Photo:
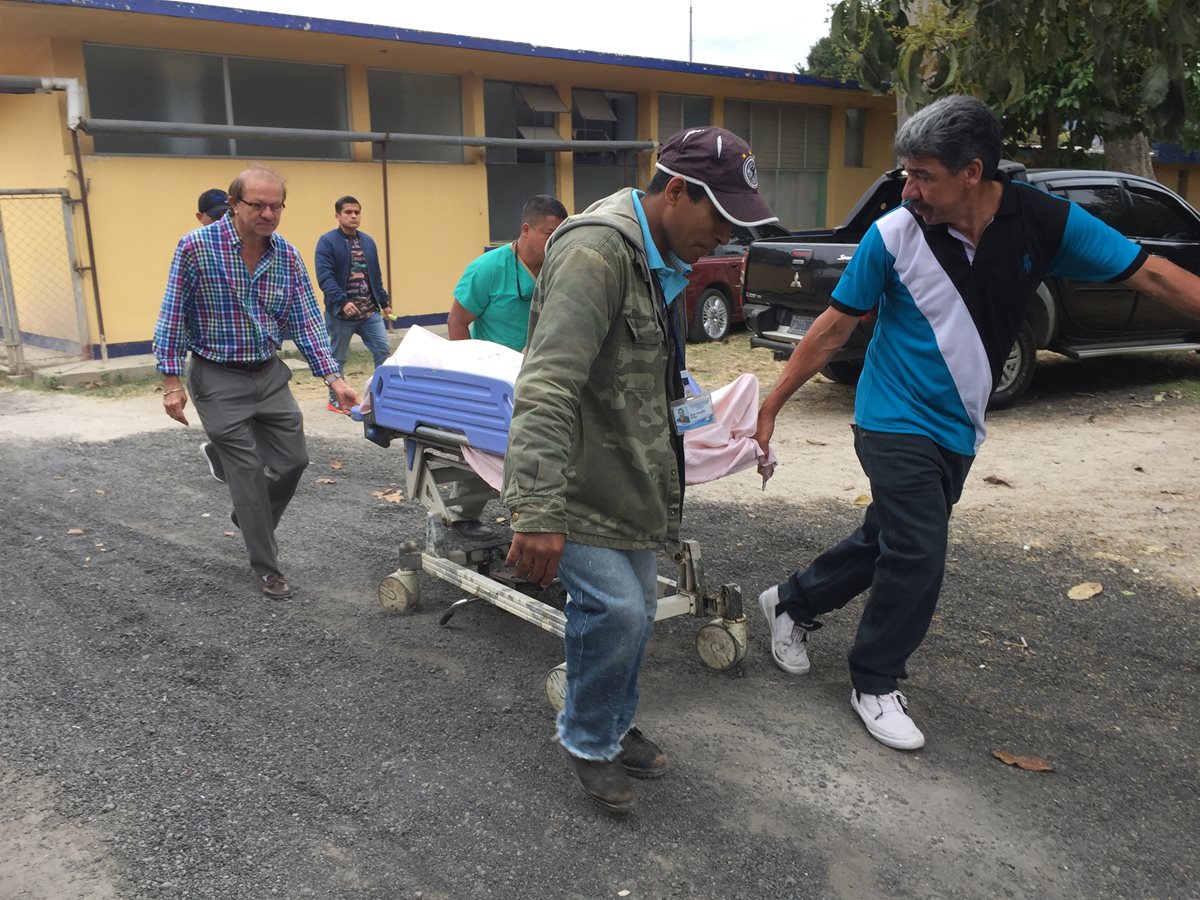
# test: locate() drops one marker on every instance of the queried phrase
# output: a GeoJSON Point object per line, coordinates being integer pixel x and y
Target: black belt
{"type": "Point", "coordinates": [257, 366]}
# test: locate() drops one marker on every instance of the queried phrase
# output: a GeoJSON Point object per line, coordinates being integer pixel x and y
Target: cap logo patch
{"type": "Point", "coordinates": [750, 172]}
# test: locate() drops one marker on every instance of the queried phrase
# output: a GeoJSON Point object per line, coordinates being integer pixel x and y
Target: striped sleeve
{"type": "Point", "coordinates": [861, 285]}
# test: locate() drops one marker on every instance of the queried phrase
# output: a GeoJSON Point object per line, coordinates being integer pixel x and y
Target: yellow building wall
{"type": "Point", "coordinates": [140, 207]}
{"type": "Point", "coordinates": [438, 212]}
{"type": "Point", "coordinates": [1182, 179]}
{"type": "Point", "coordinates": [32, 153]}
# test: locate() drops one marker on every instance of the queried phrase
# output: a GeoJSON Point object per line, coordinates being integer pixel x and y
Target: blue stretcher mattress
{"type": "Point", "coordinates": [477, 406]}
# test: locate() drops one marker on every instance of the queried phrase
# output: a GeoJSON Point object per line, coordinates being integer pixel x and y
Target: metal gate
{"type": "Point", "coordinates": [42, 317]}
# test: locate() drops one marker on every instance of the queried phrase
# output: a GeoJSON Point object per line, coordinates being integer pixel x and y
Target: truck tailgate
{"type": "Point", "coordinates": [797, 275]}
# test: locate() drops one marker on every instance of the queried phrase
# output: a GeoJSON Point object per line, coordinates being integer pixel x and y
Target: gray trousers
{"type": "Point", "coordinates": [255, 425]}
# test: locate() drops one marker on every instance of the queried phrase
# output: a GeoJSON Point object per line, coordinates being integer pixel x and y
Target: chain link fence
{"type": "Point", "coordinates": [42, 317]}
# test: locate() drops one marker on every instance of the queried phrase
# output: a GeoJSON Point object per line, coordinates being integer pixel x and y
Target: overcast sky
{"type": "Point", "coordinates": [773, 37]}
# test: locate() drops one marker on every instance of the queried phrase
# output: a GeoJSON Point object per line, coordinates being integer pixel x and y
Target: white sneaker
{"type": "Point", "coordinates": [789, 642]}
{"type": "Point", "coordinates": [886, 717]}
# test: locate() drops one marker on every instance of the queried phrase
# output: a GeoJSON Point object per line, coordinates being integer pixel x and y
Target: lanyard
{"type": "Point", "coordinates": [517, 272]}
{"type": "Point", "coordinates": [689, 383]}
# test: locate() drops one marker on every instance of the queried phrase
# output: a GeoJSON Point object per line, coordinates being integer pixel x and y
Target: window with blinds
{"type": "Point", "coordinates": [514, 174]}
{"type": "Point", "coordinates": [791, 146]}
{"type": "Point", "coordinates": [679, 111]}
{"type": "Point", "coordinates": [603, 116]}
{"type": "Point", "coordinates": [414, 103]}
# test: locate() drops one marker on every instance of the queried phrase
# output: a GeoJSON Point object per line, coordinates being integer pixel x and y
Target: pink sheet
{"type": "Point", "coordinates": [722, 448]}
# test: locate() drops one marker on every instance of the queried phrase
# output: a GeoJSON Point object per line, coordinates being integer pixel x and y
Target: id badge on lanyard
{"type": "Point", "coordinates": [695, 409]}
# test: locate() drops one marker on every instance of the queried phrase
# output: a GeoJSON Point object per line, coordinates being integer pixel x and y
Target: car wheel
{"type": "Point", "coordinates": [1017, 372]}
{"type": "Point", "coordinates": [844, 371]}
{"type": "Point", "coordinates": [711, 320]}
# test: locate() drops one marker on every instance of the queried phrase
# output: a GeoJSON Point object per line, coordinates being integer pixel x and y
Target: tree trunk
{"type": "Point", "coordinates": [1131, 154]}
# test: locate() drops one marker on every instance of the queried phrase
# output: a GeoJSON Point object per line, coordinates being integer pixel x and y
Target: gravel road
{"type": "Point", "coordinates": [168, 733]}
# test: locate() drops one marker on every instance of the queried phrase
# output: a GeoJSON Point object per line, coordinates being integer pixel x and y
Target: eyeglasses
{"type": "Point", "coordinates": [260, 208]}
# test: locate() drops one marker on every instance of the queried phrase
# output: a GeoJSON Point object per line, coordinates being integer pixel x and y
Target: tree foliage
{"type": "Point", "coordinates": [1056, 71]}
{"type": "Point", "coordinates": [827, 59]}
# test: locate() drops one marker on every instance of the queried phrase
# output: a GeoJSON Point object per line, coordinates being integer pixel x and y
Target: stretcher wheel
{"type": "Point", "coordinates": [721, 644]}
{"type": "Point", "coordinates": [401, 590]}
{"type": "Point", "coordinates": [556, 686]}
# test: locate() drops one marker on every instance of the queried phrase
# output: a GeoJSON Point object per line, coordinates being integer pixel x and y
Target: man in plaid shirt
{"type": "Point", "coordinates": [235, 290]}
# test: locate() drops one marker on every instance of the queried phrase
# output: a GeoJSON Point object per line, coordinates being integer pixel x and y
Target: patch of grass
{"type": "Point", "coordinates": [110, 387]}
{"type": "Point", "coordinates": [719, 362]}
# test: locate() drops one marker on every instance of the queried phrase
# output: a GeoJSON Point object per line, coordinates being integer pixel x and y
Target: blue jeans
{"type": "Point", "coordinates": [613, 598]}
{"type": "Point", "coordinates": [372, 331]}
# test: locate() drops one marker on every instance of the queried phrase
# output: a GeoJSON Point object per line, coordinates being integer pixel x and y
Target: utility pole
{"type": "Point", "coordinates": [689, 32]}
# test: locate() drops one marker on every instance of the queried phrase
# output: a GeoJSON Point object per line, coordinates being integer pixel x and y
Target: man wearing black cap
{"type": "Point", "coordinates": [213, 204]}
{"type": "Point", "coordinates": [594, 473]}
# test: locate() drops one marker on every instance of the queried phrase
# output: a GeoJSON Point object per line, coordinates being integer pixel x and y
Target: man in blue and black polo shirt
{"type": "Point", "coordinates": [951, 273]}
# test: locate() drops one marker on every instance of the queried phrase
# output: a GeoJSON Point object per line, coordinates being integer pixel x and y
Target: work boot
{"type": "Point", "coordinates": [642, 758]}
{"type": "Point", "coordinates": [275, 587]}
{"type": "Point", "coordinates": [473, 530]}
{"type": "Point", "coordinates": [603, 781]}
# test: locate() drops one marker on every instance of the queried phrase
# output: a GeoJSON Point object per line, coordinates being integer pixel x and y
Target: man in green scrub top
{"type": "Point", "coordinates": [491, 300]}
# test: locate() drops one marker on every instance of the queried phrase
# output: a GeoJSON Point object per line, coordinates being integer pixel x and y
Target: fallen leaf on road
{"type": "Point", "coordinates": [1139, 469]}
{"type": "Point", "coordinates": [74, 532]}
{"type": "Point", "coordinates": [815, 443]}
{"type": "Point", "coordinates": [392, 496]}
{"type": "Point", "coordinates": [335, 464]}
{"type": "Point", "coordinates": [326, 481]}
{"type": "Point", "coordinates": [996, 479]}
{"type": "Point", "coordinates": [1085, 591]}
{"type": "Point", "coordinates": [862, 500]}
{"type": "Point", "coordinates": [1028, 763]}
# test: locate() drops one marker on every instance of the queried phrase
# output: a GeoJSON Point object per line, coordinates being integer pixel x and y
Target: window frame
{"type": "Point", "coordinates": [231, 143]}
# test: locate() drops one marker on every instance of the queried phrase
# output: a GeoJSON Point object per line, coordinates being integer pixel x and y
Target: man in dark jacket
{"type": "Point", "coordinates": [594, 474]}
{"type": "Point", "coordinates": [355, 301]}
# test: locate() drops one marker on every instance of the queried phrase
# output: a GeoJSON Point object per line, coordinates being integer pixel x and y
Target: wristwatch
{"type": "Point", "coordinates": [331, 378]}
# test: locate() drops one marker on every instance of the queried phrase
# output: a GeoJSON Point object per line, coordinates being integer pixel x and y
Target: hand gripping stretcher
{"type": "Point", "coordinates": [443, 416]}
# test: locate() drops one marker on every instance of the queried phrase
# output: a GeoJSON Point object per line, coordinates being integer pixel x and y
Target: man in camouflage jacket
{"type": "Point", "coordinates": [593, 472]}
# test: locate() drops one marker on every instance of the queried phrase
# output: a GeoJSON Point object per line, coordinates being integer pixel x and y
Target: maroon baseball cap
{"type": "Point", "coordinates": [723, 164]}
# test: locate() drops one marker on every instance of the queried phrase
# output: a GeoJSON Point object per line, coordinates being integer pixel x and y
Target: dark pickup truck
{"type": "Point", "coordinates": [788, 282]}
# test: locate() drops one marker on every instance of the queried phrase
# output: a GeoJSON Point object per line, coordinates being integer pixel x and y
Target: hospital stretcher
{"type": "Point", "coordinates": [439, 414]}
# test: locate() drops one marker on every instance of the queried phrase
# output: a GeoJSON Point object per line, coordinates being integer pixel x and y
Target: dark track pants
{"type": "Point", "coordinates": [255, 425]}
{"type": "Point", "coordinates": [899, 552]}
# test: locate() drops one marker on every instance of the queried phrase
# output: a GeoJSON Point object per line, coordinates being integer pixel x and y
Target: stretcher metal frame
{"type": "Point", "coordinates": [438, 476]}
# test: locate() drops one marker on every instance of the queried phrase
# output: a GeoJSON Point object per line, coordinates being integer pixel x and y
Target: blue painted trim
{"type": "Point", "coordinates": [46, 342]}
{"type": "Point", "coordinates": [1175, 154]}
{"type": "Point", "coordinates": [130, 348]}
{"type": "Point", "coordinates": [427, 319]}
{"type": "Point", "coordinates": [201, 12]}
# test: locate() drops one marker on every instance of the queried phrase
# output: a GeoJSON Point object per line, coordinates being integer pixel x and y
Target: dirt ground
{"type": "Point", "coordinates": [170, 735]}
{"type": "Point", "coordinates": [1101, 455]}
